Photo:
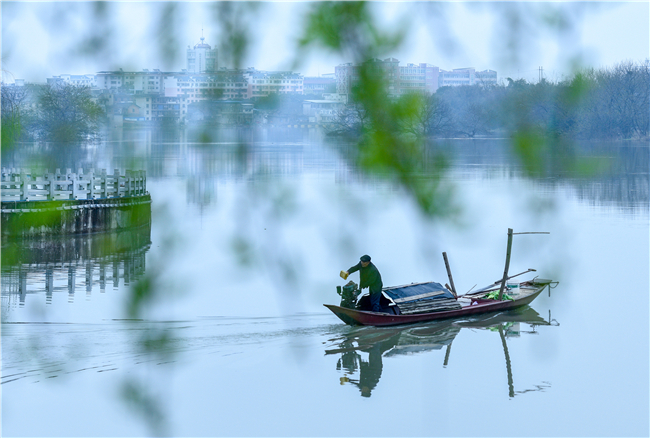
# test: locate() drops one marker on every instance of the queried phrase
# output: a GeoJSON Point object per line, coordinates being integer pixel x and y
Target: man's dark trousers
{"type": "Point", "coordinates": [375, 301]}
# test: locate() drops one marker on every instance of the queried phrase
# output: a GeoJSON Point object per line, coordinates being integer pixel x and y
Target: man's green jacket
{"type": "Point", "coordinates": [370, 277]}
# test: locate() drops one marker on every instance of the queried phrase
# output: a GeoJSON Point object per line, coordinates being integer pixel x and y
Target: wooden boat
{"type": "Point", "coordinates": [431, 301]}
{"type": "Point", "coordinates": [470, 304]}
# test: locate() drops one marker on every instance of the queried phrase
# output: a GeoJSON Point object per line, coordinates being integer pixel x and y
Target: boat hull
{"type": "Point", "coordinates": [361, 317]}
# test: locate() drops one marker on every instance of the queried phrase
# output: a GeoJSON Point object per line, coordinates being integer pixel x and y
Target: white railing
{"type": "Point", "coordinates": [23, 185]}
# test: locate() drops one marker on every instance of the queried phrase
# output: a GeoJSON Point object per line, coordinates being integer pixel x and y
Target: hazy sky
{"type": "Point", "coordinates": [42, 39]}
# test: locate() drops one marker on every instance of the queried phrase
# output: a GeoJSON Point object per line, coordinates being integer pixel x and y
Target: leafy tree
{"type": "Point", "coordinates": [13, 113]}
{"type": "Point", "coordinates": [350, 120]}
{"type": "Point", "coordinates": [438, 117]}
{"type": "Point", "coordinates": [472, 112]}
{"type": "Point", "coordinates": [66, 113]}
{"type": "Point", "coordinates": [625, 91]}
{"type": "Point", "coordinates": [429, 116]}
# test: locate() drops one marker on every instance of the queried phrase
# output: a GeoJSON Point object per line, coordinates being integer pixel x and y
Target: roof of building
{"type": "Point", "coordinates": [324, 101]}
{"type": "Point", "coordinates": [317, 80]}
{"type": "Point", "coordinates": [202, 45]}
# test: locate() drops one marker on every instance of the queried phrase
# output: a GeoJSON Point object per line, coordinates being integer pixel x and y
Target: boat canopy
{"type": "Point", "coordinates": [417, 291]}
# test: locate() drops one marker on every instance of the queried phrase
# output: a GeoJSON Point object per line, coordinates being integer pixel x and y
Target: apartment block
{"type": "Point", "coordinates": [263, 83]}
{"type": "Point", "coordinates": [399, 80]}
{"type": "Point", "coordinates": [421, 78]}
{"type": "Point", "coordinates": [319, 84]}
{"type": "Point", "coordinates": [324, 110]}
{"type": "Point", "coordinates": [466, 76]}
{"type": "Point", "coordinates": [486, 77]}
{"type": "Point", "coordinates": [141, 82]}
{"type": "Point", "coordinates": [145, 103]}
{"type": "Point", "coordinates": [81, 80]}
{"type": "Point", "coordinates": [347, 75]}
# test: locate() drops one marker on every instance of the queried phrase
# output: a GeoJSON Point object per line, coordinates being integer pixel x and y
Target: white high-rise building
{"type": "Point", "coordinates": [202, 58]}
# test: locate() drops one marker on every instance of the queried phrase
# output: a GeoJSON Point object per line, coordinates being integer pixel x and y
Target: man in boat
{"type": "Point", "coordinates": [370, 278]}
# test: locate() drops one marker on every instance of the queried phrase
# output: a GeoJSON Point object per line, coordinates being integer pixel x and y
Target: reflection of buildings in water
{"type": "Point", "coordinates": [58, 264]}
{"type": "Point", "coordinates": [201, 191]}
{"type": "Point", "coordinates": [388, 342]}
{"type": "Point", "coordinates": [215, 155]}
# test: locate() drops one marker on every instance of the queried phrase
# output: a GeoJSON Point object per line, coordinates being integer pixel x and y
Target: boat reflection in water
{"type": "Point", "coordinates": [67, 263]}
{"type": "Point", "coordinates": [387, 342]}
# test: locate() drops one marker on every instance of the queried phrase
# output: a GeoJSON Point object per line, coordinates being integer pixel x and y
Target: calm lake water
{"type": "Point", "coordinates": [249, 233]}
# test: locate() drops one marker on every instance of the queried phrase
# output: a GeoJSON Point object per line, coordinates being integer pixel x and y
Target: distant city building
{"type": "Point", "coordinates": [486, 77]}
{"type": "Point", "coordinates": [133, 113]}
{"type": "Point", "coordinates": [421, 78]}
{"type": "Point", "coordinates": [141, 82]}
{"type": "Point", "coordinates": [81, 80]}
{"type": "Point", "coordinates": [467, 76]}
{"type": "Point", "coordinates": [325, 110]}
{"type": "Point", "coordinates": [226, 112]}
{"type": "Point", "coordinates": [166, 108]}
{"type": "Point", "coordinates": [319, 85]}
{"type": "Point", "coordinates": [232, 84]}
{"type": "Point", "coordinates": [456, 77]}
{"type": "Point", "coordinates": [171, 93]}
{"type": "Point", "coordinates": [411, 78]}
{"type": "Point", "coordinates": [226, 84]}
{"type": "Point", "coordinates": [145, 103]}
{"type": "Point", "coordinates": [14, 83]}
{"type": "Point", "coordinates": [202, 58]}
{"type": "Point", "coordinates": [347, 75]}
{"type": "Point", "coordinates": [263, 83]}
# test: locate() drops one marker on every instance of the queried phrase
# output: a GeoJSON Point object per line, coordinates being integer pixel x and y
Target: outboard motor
{"type": "Point", "coordinates": [349, 294]}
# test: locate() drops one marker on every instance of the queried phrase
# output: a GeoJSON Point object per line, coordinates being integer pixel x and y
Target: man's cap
{"type": "Point", "coordinates": [365, 258]}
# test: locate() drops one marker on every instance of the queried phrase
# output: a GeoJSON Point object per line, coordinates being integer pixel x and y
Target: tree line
{"type": "Point", "coordinates": [608, 103]}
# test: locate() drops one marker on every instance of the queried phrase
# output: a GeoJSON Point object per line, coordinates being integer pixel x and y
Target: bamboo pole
{"type": "Point", "coordinates": [447, 355]}
{"type": "Point", "coordinates": [511, 385]}
{"type": "Point", "coordinates": [505, 271]}
{"type": "Point", "coordinates": [451, 280]}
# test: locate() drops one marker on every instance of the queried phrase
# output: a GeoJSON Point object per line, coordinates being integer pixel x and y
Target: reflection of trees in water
{"type": "Point", "coordinates": [49, 265]}
{"type": "Point", "coordinates": [627, 184]}
{"type": "Point", "coordinates": [613, 173]}
{"type": "Point", "coordinates": [624, 182]}
{"type": "Point", "coordinates": [627, 192]}
{"type": "Point", "coordinates": [382, 343]}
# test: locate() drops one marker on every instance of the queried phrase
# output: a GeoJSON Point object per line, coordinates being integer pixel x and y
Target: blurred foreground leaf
{"type": "Point", "coordinates": [383, 148]}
